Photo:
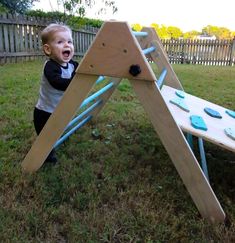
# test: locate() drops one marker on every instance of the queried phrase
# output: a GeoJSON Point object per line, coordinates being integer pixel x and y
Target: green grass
{"type": "Point", "coordinates": [121, 187]}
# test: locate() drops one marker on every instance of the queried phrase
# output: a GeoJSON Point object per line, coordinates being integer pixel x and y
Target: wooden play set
{"type": "Point", "coordinates": [116, 53]}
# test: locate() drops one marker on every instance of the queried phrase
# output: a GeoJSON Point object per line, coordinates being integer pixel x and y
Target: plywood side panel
{"type": "Point", "coordinates": [113, 51]}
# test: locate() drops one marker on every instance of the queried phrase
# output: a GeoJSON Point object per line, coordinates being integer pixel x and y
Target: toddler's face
{"type": "Point", "coordinates": [60, 48]}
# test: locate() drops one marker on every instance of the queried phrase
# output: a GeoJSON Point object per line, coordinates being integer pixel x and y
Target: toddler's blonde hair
{"type": "Point", "coordinates": [48, 33]}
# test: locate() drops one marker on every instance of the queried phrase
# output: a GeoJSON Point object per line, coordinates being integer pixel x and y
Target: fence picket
{"type": "Point", "coordinates": [1, 39]}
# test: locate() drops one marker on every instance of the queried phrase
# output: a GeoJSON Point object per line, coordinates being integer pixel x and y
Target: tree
{"type": "Point", "coordinates": [74, 7]}
{"type": "Point", "coordinates": [2, 9]}
{"type": "Point", "coordinates": [155, 26]}
{"type": "Point", "coordinates": [17, 6]}
{"type": "Point", "coordinates": [165, 32]}
{"type": "Point", "coordinates": [224, 33]}
{"type": "Point", "coordinates": [174, 32]}
{"type": "Point", "coordinates": [191, 34]}
{"type": "Point", "coordinates": [136, 27]}
{"type": "Point", "coordinates": [75, 22]}
{"type": "Point", "coordinates": [233, 35]}
{"type": "Point", "coordinates": [219, 32]}
{"type": "Point", "coordinates": [161, 31]}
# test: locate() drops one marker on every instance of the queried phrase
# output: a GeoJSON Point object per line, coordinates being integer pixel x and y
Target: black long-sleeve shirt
{"type": "Point", "coordinates": [55, 80]}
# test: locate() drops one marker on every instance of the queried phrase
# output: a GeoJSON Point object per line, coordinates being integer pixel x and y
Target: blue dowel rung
{"type": "Point", "coordinates": [161, 78]}
{"type": "Point", "coordinates": [83, 114]}
{"type": "Point", "coordinates": [100, 79]}
{"type": "Point", "coordinates": [89, 109]}
{"type": "Point", "coordinates": [203, 157]}
{"type": "Point", "coordinates": [139, 33]}
{"type": "Point", "coordinates": [70, 132]}
{"type": "Point", "coordinates": [149, 50]}
{"type": "Point", "coordinates": [189, 138]}
{"type": "Point", "coordinates": [97, 94]}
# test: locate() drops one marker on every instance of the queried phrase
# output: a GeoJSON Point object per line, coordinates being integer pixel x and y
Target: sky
{"type": "Point", "coordinates": [185, 14]}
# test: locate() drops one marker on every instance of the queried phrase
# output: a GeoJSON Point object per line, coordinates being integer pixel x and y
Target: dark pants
{"type": "Point", "coordinates": [40, 118]}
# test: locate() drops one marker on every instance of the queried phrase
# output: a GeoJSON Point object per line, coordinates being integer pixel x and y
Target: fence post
{"type": "Point", "coordinates": [232, 57]}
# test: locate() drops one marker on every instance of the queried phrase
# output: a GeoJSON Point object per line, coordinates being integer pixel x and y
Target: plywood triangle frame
{"type": "Point", "coordinates": [112, 53]}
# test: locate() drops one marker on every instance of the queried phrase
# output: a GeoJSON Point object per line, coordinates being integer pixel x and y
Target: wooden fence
{"type": "Point", "coordinates": [206, 52]}
{"type": "Point", "coordinates": [20, 40]}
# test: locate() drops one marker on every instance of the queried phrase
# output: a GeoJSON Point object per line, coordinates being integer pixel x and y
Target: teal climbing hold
{"type": "Point", "coordinates": [230, 113]}
{"type": "Point", "coordinates": [180, 93]}
{"type": "Point", "coordinates": [198, 122]}
{"type": "Point", "coordinates": [230, 132]}
{"type": "Point", "coordinates": [180, 103]}
{"type": "Point", "coordinates": [212, 112]}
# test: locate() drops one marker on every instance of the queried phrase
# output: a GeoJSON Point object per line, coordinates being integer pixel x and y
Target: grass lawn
{"type": "Point", "coordinates": [121, 187]}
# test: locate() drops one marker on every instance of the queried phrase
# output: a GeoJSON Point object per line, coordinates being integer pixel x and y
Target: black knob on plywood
{"type": "Point", "coordinates": [135, 70]}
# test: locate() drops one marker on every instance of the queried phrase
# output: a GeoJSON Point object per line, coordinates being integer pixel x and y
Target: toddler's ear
{"type": "Point", "coordinates": [47, 49]}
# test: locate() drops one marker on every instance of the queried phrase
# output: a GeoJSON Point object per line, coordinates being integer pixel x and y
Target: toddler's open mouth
{"type": "Point", "coordinates": [66, 53]}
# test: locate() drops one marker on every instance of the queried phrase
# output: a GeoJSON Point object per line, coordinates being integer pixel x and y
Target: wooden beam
{"type": "Point", "coordinates": [54, 128]}
{"type": "Point", "coordinates": [179, 150]}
